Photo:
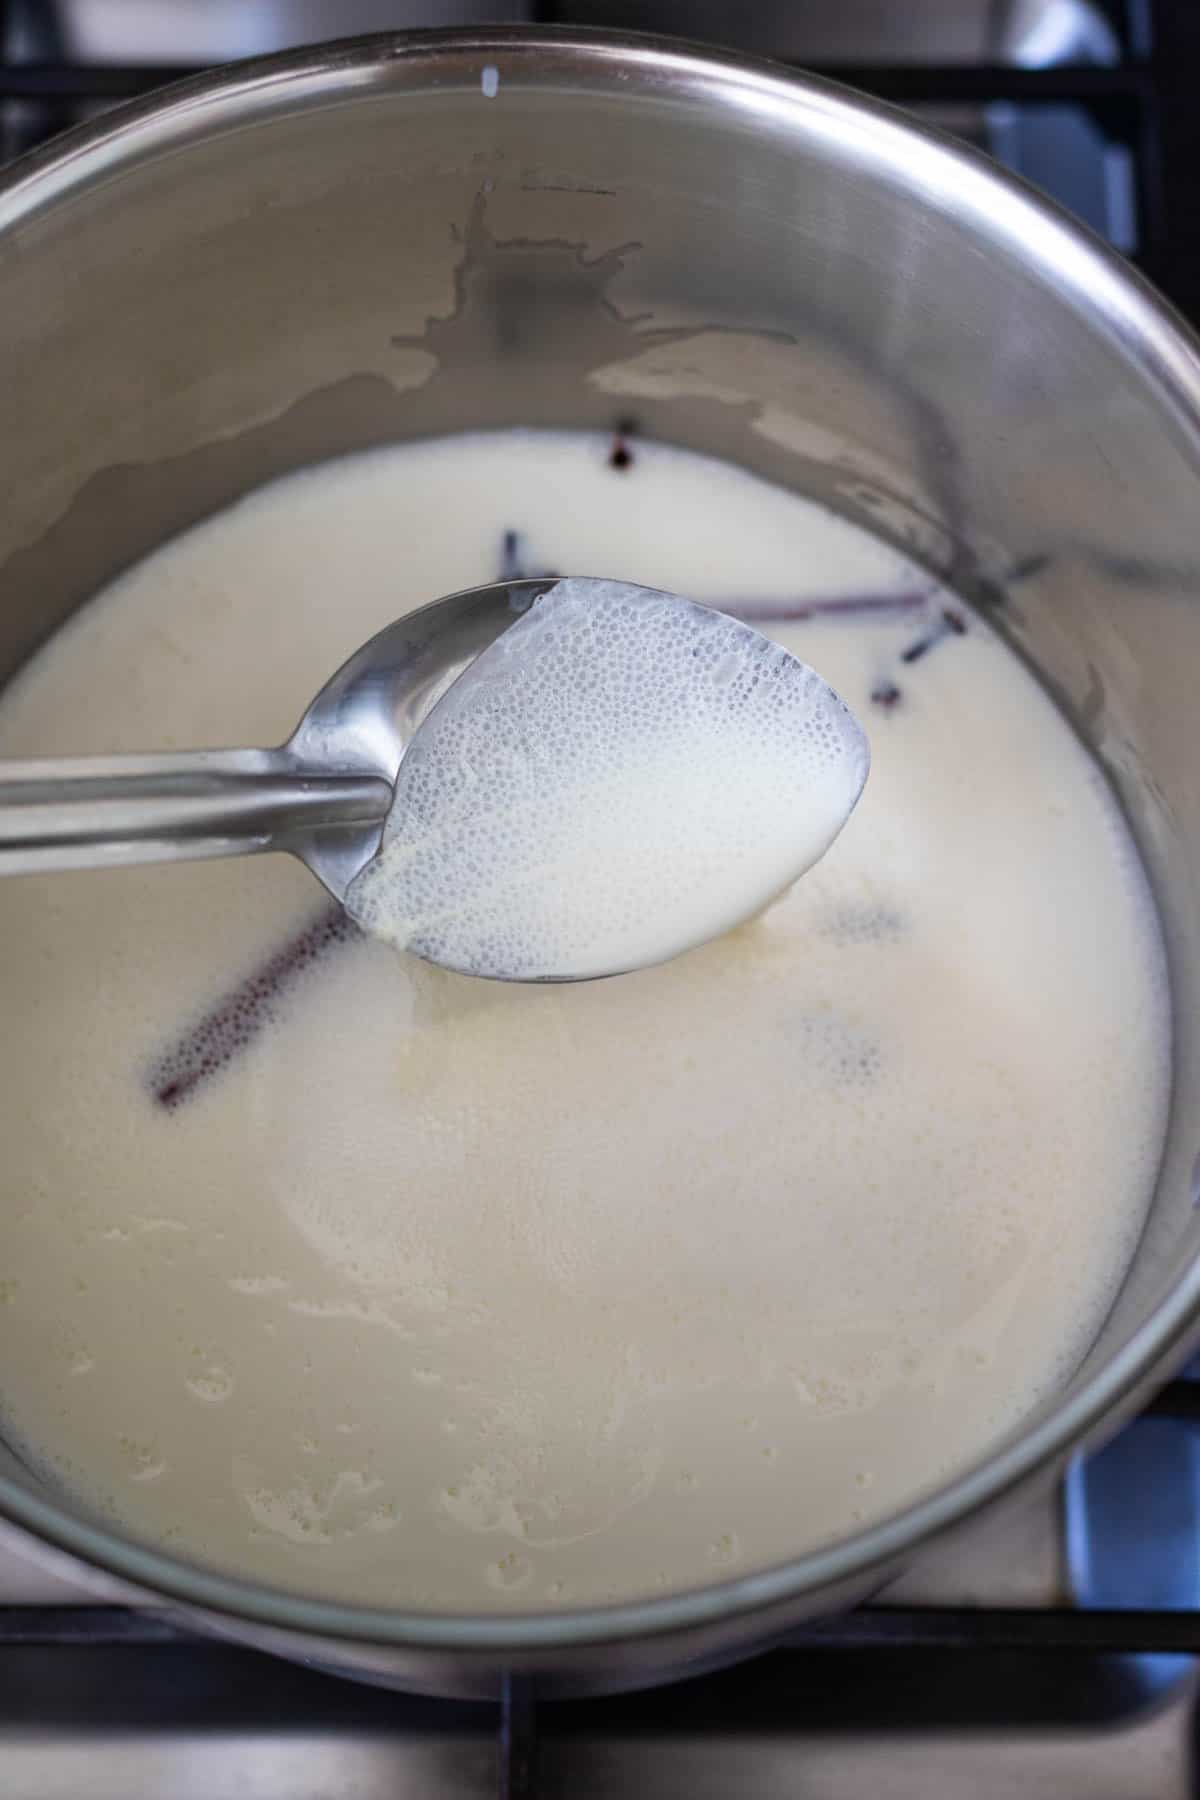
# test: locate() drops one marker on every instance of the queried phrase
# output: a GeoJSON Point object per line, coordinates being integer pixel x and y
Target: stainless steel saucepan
{"type": "Point", "coordinates": [398, 236]}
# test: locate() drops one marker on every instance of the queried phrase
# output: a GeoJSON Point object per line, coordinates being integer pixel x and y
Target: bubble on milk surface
{"type": "Point", "coordinates": [621, 775]}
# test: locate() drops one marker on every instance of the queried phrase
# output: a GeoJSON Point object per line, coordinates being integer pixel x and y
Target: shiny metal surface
{"type": "Point", "coordinates": [115, 1719]}
{"type": "Point", "coordinates": [204, 32]}
{"type": "Point", "coordinates": [352, 246]}
{"type": "Point", "coordinates": [323, 796]}
{"type": "Point", "coordinates": [95, 812]}
{"type": "Point", "coordinates": [1031, 34]}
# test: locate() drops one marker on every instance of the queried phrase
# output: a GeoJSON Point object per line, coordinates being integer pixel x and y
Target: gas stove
{"type": "Point", "coordinates": [1049, 1652]}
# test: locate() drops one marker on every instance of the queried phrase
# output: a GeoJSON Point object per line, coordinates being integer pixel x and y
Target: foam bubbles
{"type": "Point", "coordinates": [619, 777]}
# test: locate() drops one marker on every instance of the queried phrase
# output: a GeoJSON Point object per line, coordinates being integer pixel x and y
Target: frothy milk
{"type": "Point", "coordinates": [621, 776]}
{"type": "Point", "coordinates": [324, 1265]}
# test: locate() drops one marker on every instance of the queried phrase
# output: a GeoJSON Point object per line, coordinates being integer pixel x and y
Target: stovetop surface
{"type": "Point", "coordinates": [1048, 1652]}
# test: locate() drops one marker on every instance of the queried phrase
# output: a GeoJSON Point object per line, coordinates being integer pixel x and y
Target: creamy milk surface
{"type": "Point", "coordinates": [621, 776]}
{"type": "Point", "coordinates": [366, 1279]}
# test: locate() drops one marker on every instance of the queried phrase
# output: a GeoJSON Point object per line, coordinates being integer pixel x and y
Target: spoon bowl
{"type": "Point", "coordinates": [619, 777]}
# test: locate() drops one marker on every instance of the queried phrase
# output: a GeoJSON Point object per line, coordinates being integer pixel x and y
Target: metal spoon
{"type": "Point", "coordinates": [323, 796]}
{"type": "Point", "coordinates": [326, 793]}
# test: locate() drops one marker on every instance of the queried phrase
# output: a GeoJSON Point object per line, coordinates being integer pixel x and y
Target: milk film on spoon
{"type": "Point", "coordinates": [621, 776]}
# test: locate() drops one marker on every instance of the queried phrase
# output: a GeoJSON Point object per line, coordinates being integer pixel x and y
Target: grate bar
{"type": "Point", "coordinates": [903, 84]}
{"type": "Point", "coordinates": [1144, 1631]}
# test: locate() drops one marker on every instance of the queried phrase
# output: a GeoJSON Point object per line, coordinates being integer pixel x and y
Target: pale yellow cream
{"type": "Point", "coordinates": [444, 1293]}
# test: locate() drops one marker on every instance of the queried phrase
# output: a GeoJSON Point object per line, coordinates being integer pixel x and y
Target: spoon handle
{"type": "Point", "coordinates": [109, 811]}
